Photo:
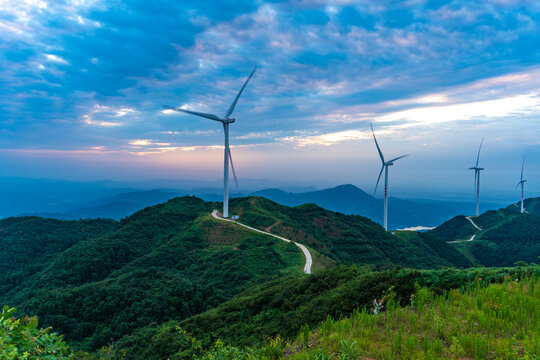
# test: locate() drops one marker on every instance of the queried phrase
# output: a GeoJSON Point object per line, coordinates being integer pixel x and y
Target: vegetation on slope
{"type": "Point", "coordinates": [346, 239]}
{"type": "Point", "coordinates": [457, 228]}
{"type": "Point", "coordinates": [281, 307]}
{"type": "Point", "coordinates": [166, 262]}
{"type": "Point", "coordinates": [28, 244]}
{"type": "Point", "coordinates": [266, 317]}
{"type": "Point", "coordinates": [22, 339]}
{"type": "Point", "coordinates": [513, 240]}
{"type": "Point", "coordinates": [506, 235]}
{"type": "Point", "coordinates": [500, 321]}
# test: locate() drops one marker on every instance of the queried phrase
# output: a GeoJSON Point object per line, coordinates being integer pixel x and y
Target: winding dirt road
{"type": "Point", "coordinates": [309, 260]}
{"type": "Point", "coordinates": [473, 236]}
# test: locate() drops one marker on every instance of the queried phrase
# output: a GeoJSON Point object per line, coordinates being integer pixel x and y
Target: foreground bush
{"type": "Point", "coordinates": [21, 339]}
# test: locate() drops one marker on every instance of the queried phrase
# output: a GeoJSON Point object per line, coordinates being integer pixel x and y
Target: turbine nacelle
{"type": "Point", "coordinates": [225, 120]}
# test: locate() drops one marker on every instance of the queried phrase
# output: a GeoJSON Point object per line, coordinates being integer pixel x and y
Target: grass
{"type": "Point", "coordinates": [499, 321]}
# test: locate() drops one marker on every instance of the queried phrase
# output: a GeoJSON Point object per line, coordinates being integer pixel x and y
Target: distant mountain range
{"type": "Point", "coordinates": [346, 199]}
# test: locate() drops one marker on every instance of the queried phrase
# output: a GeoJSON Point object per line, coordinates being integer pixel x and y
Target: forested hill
{"type": "Point", "coordinates": [100, 280]}
{"type": "Point", "coordinates": [506, 235]}
{"type": "Point", "coordinates": [349, 199]}
{"type": "Point", "coordinates": [347, 239]}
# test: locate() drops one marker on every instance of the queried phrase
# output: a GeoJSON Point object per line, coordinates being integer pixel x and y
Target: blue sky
{"type": "Point", "coordinates": [83, 83]}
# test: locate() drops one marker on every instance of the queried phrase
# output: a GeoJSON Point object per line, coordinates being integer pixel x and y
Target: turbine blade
{"type": "Point", "coordinates": [378, 179]}
{"type": "Point", "coordinates": [204, 115]}
{"type": "Point", "coordinates": [232, 167]}
{"type": "Point", "coordinates": [480, 148]}
{"type": "Point", "coordinates": [377, 144]}
{"type": "Point", "coordinates": [399, 157]}
{"type": "Point", "coordinates": [519, 183]}
{"type": "Point", "coordinates": [233, 105]}
{"type": "Point", "coordinates": [522, 165]}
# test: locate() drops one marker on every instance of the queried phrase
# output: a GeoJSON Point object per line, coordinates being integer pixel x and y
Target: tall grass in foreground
{"type": "Point", "coordinates": [499, 321]}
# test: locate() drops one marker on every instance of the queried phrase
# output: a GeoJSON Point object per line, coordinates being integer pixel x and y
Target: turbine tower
{"type": "Point", "coordinates": [385, 165]}
{"type": "Point", "coordinates": [522, 183]}
{"type": "Point", "coordinates": [477, 178]}
{"type": "Point", "coordinates": [228, 158]}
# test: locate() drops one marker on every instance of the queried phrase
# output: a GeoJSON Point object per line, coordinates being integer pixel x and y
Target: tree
{"type": "Point", "coordinates": [21, 339]}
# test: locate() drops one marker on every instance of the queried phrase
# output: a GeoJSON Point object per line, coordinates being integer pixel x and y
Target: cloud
{"type": "Point", "coordinates": [85, 74]}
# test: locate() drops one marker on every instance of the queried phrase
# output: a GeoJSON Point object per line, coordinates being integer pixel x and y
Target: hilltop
{"type": "Point", "coordinates": [346, 239]}
{"type": "Point", "coordinates": [505, 235]}
{"type": "Point", "coordinates": [101, 279]}
{"type": "Point", "coordinates": [351, 200]}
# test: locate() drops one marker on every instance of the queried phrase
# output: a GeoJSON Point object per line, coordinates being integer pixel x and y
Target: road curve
{"type": "Point", "coordinates": [472, 222]}
{"type": "Point", "coordinates": [472, 237]}
{"type": "Point", "coordinates": [309, 260]}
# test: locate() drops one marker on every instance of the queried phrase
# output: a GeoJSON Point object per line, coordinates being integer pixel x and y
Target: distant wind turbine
{"type": "Point", "coordinates": [522, 183]}
{"type": "Point", "coordinates": [385, 165]}
{"type": "Point", "coordinates": [228, 158]}
{"type": "Point", "coordinates": [477, 178]}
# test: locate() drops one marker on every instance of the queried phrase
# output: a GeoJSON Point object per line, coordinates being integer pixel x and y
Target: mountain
{"type": "Point", "coordinates": [102, 280]}
{"type": "Point", "coordinates": [114, 207]}
{"type": "Point", "coordinates": [505, 235]}
{"type": "Point", "coordinates": [348, 199]}
{"type": "Point", "coordinates": [165, 262]}
{"type": "Point", "coordinates": [346, 239]}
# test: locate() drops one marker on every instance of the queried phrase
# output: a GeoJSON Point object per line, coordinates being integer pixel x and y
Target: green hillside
{"type": "Point", "coordinates": [283, 306]}
{"type": "Point", "coordinates": [346, 239]}
{"type": "Point", "coordinates": [166, 262]}
{"type": "Point", "coordinates": [499, 321]}
{"type": "Point", "coordinates": [99, 281]}
{"type": "Point", "coordinates": [28, 244]}
{"type": "Point", "coordinates": [506, 235]}
{"type": "Point", "coordinates": [457, 228]}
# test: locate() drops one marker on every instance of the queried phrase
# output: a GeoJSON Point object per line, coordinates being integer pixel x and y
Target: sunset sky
{"type": "Point", "coordinates": [83, 83]}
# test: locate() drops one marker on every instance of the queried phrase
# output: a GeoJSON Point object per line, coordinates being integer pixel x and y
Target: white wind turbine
{"type": "Point", "coordinates": [477, 178]}
{"type": "Point", "coordinates": [385, 165]}
{"type": "Point", "coordinates": [225, 121]}
{"type": "Point", "coordinates": [522, 183]}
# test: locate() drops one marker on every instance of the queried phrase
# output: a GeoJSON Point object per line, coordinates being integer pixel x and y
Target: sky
{"type": "Point", "coordinates": [83, 83]}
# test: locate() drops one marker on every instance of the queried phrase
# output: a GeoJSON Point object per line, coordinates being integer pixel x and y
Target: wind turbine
{"type": "Point", "coordinates": [228, 158]}
{"type": "Point", "coordinates": [385, 165]}
{"type": "Point", "coordinates": [522, 183]}
{"type": "Point", "coordinates": [477, 178]}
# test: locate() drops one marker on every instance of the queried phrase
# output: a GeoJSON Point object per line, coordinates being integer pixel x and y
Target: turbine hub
{"type": "Point", "coordinates": [229, 120]}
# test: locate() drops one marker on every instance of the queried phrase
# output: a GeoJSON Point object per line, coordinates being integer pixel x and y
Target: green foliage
{"type": "Point", "coordinates": [507, 236]}
{"type": "Point", "coordinates": [346, 239]}
{"type": "Point", "coordinates": [497, 321]}
{"type": "Point", "coordinates": [457, 228]}
{"type": "Point", "coordinates": [516, 239]}
{"type": "Point", "coordinates": [221, 351]}
{"type": "Point", "coordinates": [29, 244]}
{"type": "Point", "coordinates": [21, 339]}
{"type": "Point", "coordinates": [280, 306]}
{"type": "Point", "coordinates": [155, 266]}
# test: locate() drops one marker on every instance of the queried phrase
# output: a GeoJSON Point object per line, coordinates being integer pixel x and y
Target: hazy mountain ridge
{"type": "Point", "coordinates": [348, 199]}
{"type": "Point", "coordinates": [109, 199]}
